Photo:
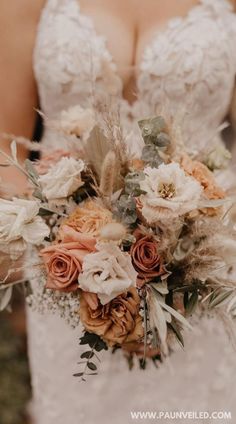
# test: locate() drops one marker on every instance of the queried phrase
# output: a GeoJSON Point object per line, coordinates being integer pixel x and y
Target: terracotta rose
{"type": "Point", "coordinates": [64, 260]}
{"type": "Point", "coordinates": [145, 257]}
{"type": "Point", "coordinates": [116, 322]}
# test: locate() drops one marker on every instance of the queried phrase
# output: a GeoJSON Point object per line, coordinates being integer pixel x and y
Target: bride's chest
{"type": "Point", "coordinates": [194, 54]}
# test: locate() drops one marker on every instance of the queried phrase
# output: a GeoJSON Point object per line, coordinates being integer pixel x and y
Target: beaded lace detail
{"type": "Point", "coordinates": [189, 66]}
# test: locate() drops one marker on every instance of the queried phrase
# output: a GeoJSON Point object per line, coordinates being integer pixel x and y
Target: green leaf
{"type": "Point", "coordinates": [78, 374]}
{"type": "Point", "coordinates": [88, 338]}
{"type": "Point", "coordinates": [89, 354]}
{"type": "Point", "coordinates": [220, 298]}
{"type": "Point", "coordinates": [175, 314]}
{"type": "Point", "coordinates": [151, 128]}
{"type": "Point", "coordinates": [45, 212]}
{"type": "Point", "coordinates": [92, 366]}
{"type": "Point", "coordinates": [231, 304]}
{"type": "Point", "coordinates": [160, 286]}
{"type": "Point", "coordinates": [5, 297]}
{"type": "Point", "coordinates": [177, 333]}
{"type": "Point", "coordinates": [150, 154]}
{"type": "Point", "coordinates": [14, 151]}
{"type": "Point", "coordinates": [38, 194]}
{"type": "Point", "coordinates": [192, 303]}
{"type": "Point", "coordinates": [100, 345]}
{"type": "Point", "coordinates": [31, 171]}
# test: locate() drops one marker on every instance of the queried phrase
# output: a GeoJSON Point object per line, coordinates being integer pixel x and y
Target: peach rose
{"type": "Point", "coordinates": [204, 176]}
{"type": "Point", "coordinates": [64, 260]}
{"type": "Point", "coordinates": [116, 322]}
{"type": "Point", "coordinates": [145, 257]}
{"type": "Point", "coordinates": [89, 218]}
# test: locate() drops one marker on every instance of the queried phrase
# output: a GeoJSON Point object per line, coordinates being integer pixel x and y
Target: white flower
{"type": "Point", "coordinates": [107, 272]}
{"type": "Point", "coordinates": [227, 248]}
{"type": "Point", "coordinates": [20, 225]}
{"type": "Point", "coordinates": [62, 179]}
{"type": "Point", "coordinates": [77, 121]}
{"type": "Point", "coordinates": [169, 193]}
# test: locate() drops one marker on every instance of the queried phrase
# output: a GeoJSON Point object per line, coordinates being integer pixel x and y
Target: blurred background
{"type": "Point", "coordinates": [15, 392]}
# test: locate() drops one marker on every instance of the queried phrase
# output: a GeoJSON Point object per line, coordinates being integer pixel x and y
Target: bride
{"type": "Point", "coordinates": [58, 53]}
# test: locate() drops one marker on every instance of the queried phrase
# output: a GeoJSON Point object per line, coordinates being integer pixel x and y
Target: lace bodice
{"type": "Point", "coordinates": [191, 65]}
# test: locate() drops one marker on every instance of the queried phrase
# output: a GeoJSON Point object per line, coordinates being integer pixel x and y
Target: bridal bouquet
{"type": "Point", "coordinates": [129, 247]}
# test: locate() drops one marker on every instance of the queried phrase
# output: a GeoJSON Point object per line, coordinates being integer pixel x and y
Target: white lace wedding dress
{"type": "Point", "coordinates": [192, 63]}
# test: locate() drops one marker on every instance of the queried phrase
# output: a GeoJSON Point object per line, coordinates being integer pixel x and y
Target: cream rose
{"type": "Point", "coordinates": [169, 193]}
{"type": "Point", "coordinates": [20, 225]}
{"type": "Point", "coordinates": [63, 179]}
{"type": "Point", "coordinates": [108, 272]}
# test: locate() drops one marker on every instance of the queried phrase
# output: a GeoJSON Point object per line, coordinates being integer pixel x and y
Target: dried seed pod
{"type": "Point", "coordinates": [108, 174]}
{"type": "Point", "coordinates": [113, 232]}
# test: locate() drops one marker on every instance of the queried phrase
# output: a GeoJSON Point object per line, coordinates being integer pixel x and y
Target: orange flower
{"type": "Point", "coordinates": [204, 176]}
{"type": "Point", "coordinates": [116, 322]}
{"type": "Point", "coordinates": [136, 164]}
{"type": "Point", "coordinates": [89, 218]}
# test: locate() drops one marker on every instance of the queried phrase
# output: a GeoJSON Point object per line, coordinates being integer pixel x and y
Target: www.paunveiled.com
{"type": "Point", "coordinates": [181, 415]}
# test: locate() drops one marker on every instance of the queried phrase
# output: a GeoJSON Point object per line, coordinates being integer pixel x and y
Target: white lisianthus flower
{"type": "Point", "coordinates": [77, 121]}
{"type": "Point", "coordinates": [62, 179]}
{"type": "Point", "coordinates": [169, 193]}
{"type": "Point", "coordinates": [107, 272]}
{"type": "Point", "coordinates": [20, 225]}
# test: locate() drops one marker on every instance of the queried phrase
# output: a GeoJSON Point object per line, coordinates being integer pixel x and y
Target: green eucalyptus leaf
{"type": "Point", "coordinates": [101, 345]}
{"type": "Point", "coordinates": [78, 374]}
{"type": "Point", "coordinates": [162, 140]}
{"type": "Point", "coordinates": [192, 303]}
{"type": "Point", "coordinates": [31, 170]}
{"type": "Point", "coordinates": [38, 194]}
{"type": "Point", "coordinates": [150, 154]}
{"type": "Point", "coordinates": [151, 128]}
{"type": "Point", "coordinates": [14, 151]}
{"type": "Point", "coordinates": [92, 366]}
{"type": "Point", "coordinates": [88, 354]}
{"type": "Point", "coordinates": [5, 297]}
{"type": "Point", "coordinates": [45, 212]}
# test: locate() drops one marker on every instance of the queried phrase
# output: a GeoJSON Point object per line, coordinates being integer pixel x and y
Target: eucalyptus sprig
{"type": "Point", "coordinates": [96, 344]}
{"type": "Point", "coordinates": [13, 161]}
